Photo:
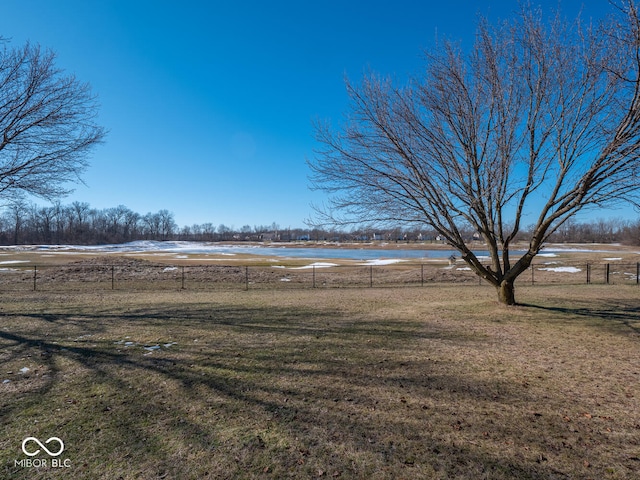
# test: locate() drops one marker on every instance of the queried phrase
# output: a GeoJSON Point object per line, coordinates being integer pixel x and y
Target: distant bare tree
{"type": "Point", "coordinates": [16, 213]}
{"type": "Point", "coordinates": [151, 224]}
{"type": "Point", "coordinates": [631, 233]}
{"type": "Point", "coordinates": [78, 215]}
{"type": "Point", "coordinates": [167, 224]}
{"type": "Point", "coordinates": [47, 124]}
{"type": "Point", "coordinates": [224, 232]}
{"type": "Point", "coordinates": [208, 231]}
{"type": "Point", "coordinates": [540, 120]}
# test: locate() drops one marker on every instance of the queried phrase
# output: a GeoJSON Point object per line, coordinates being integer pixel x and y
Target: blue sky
{"type": "Point", "coordinates": [210, 104]}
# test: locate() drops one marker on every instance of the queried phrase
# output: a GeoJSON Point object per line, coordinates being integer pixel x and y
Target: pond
{"type": "Point", "coordinates": [200, 248]}
{"type": "Point", "coordinates": [279, 250]}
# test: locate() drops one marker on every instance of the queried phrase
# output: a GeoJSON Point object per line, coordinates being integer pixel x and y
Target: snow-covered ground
{"type": "Point", "coordinates": [312, 265]}
{"type": "Point", "coordinates": [561, 269]}
{"type": "Point", "coordinates": [352, 253]}
{"type": "Point", "coordinates": [380, 261]}
{"type": "Point", "coordinates": [204, 248]}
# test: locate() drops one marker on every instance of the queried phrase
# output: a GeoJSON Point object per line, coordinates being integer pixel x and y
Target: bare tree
{"type": "Point", "coordinates": [78, 215]}
{"type": "Point", "coordinates": [151, 223]}
{"type": "Point", "coordinates": [540, 120]}
{"type": "Point", "coordinates": [16, 213]}
{"type": "Point", "coordinates": [167, 224]}
{"type": "Point", "coordinates": [47, 124]}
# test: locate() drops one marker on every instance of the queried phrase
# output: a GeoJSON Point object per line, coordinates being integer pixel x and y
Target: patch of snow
{"type": "Point", "coordinates": [613, 259]}
{"type": "Point", "coordinates": [562, 269]}
{"type": "Point", "coordinates": [547, 254]}
{"type": "Point", "coordinates": [5, 262]}
{"type": "Point", "coordinates": [380, 261]}
{"type": "Point", "coordinates": [306, 267]}
{"type": "Point", "coordinates": [151, 349]}
{"type": "Point", "coordinates": [464, 268]}
{"type": "Point", "coordinates": [6, 381]}
{"type": "Point", "coordinates": [316, 265]}
{"type": "Point", "coordinates": [555, 247]}
{"type": "Point", "coordinates": [24, 369]}
{"type": "Point", "coordinates": [170, 269]}
{"type": "Point", "coordinates": [285, 279]}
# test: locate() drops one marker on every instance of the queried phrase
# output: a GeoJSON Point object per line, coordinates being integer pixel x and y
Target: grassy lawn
{"type": "Point", "coordinates": [375, 383]}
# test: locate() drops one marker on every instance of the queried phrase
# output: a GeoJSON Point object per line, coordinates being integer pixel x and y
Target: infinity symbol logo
{"type": "Point", "coordinates": [34, 439]}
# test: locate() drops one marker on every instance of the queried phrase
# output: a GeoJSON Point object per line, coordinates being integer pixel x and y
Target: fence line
{"type": "Point", "coordinates": [139, 275]}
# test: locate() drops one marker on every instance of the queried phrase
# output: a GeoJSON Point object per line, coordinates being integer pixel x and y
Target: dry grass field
{"type": "Point", "coordinates": [353, 383]}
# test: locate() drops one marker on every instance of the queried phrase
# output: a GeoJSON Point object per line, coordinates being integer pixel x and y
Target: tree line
{"type": "Point", "coordinates": [23, 223]}
{"type": "Point", "coordinates": [78, 223]}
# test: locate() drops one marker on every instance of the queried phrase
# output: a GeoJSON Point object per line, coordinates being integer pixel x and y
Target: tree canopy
{"type": "Point", "coordinates": [47, 124]}
{"type": "Point", "coordinates": [538, 121]}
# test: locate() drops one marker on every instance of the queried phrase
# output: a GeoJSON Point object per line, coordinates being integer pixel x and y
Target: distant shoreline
{"type": "Point", "coordinates": [364, 245]}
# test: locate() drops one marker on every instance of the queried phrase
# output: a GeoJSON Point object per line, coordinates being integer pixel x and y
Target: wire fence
{"type": "Point", "coordinates": [138, 275]}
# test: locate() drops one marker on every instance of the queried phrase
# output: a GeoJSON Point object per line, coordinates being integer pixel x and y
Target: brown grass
{"type": "Point", "coordinates": [436, 382]}
{"type": "Point", "coordinates": [117, 272]}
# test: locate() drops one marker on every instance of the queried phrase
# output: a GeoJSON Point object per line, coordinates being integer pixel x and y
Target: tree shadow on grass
{"type": "Point", "coordinates": [610, 315]}
{"type": "Point", "coordinates": [272, 392]}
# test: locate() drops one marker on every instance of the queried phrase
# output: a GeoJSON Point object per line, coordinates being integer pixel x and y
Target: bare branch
{"type": "Point", "coordinates": [47, 124]}
{"type": "Point", "coordinates": [541, 117]}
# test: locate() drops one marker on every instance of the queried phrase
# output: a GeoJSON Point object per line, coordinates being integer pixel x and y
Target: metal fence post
{"type": "Point", "coordinates": [589, 277]}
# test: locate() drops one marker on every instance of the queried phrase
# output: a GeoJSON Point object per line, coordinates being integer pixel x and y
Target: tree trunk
{"type": "Point", "coordinates": [506, 293]}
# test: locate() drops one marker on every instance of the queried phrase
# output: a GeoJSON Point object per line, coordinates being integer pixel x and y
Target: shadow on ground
{"type": "Point", "coordinates": [233, 391]}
